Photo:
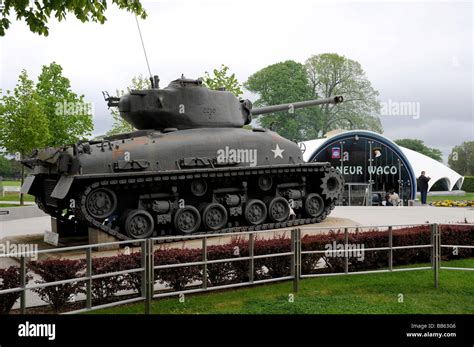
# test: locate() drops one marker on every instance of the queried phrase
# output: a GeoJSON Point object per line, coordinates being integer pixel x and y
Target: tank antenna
{"type": "Point", "coordinates": [144, 51]}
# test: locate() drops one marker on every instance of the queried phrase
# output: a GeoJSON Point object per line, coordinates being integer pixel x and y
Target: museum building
{"type": "Point", "coordinates": [373, 165]}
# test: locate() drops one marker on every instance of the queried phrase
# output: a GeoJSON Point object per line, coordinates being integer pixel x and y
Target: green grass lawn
{"type": "Point", "coordinates": [9, 183]}
{"type": "Point", "coordinates": [16, 197]}
{"type": "Point", "coordinates": [12, 196]}
{"type": "Point", "coordinates": [362, 294]}
{"type": "Point", "coordinates": [467, 196]}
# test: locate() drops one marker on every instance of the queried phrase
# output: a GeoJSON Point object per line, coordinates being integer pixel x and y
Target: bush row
{"type": "Point", "coordinates": [468, 184]}
{"type": "Point", "coordinates": [221, 273]}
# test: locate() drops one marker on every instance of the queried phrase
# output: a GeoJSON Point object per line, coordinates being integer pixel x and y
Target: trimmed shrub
{"type": "Point", "coordinates": [272, 267]}
{"type": "Point", "coordinates": [105, 288]}
{"type": "Point", "coordinates": [228, 272]}
{"type": "Point", "coordinates": [322, 263]}
{"type": "Point", "coordinates": [179, 277]}
{"type": "Point", "coordinates": [9, 278]}
{"type": "Point", "coordinates": [52, 270]}
{"type": "Point", "coordinates": [133, 281]}
{"type": "Point", "coordinates": [457, 235]}
{"type": "Point", "coordinates": [468, 184]}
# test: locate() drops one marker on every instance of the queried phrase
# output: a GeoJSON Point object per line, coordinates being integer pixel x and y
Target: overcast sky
{"type": "Point", "coordinates": [412, 52]}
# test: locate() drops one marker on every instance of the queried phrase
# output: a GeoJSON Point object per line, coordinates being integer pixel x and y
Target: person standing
{"type": "Point", "coordinates": [423, 184]}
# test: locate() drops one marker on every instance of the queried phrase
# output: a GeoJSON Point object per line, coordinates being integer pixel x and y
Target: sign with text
{"type": "Point", "coordinates": [51, 238]}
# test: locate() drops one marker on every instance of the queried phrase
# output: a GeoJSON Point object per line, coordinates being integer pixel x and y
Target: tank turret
{"type": "Point", "coordinates": [188, 104]}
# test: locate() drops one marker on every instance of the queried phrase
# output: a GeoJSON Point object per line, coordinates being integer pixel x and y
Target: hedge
{"type": "Point", "coordinates": [468, 184]}
{"type": "Point", "coordinates": [178, 278]}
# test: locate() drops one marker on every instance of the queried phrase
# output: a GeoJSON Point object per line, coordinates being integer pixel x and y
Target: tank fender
{"type": "Point", "coordinates": [25, 188]}
{"type": "Point", "coordinates": [62, 187]}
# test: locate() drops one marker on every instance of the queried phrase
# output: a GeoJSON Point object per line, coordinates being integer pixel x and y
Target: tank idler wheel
{"type": "Point", "coordinates": [278, 209]}
{"type": "Point", "coordinates": [214, 216]}
{"type": "Point", "coordinates": [255, 212]}
{"type": "Point", "coordinates": [314, 205]}
{"type": "Point", "coordinates": [101, 203]}
{"type": "Point", "coordinates": [139, 224]}
{"type": "Point", "coordinates": [187, 220]}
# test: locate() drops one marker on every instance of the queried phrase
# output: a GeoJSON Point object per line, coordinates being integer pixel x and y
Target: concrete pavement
{"type": "Point", "coordinates": [340, 216]}
{"type": "Point", "coordinates": [392, 215]}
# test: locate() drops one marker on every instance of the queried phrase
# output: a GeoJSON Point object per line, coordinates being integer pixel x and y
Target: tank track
{"type": "Point", "coordinates": [81, 213]}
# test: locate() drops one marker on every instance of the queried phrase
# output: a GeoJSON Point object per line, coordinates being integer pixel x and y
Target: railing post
{"type": "Point", "coordinates": [251, 255]}
{"type": "Point", "coordinates": [390, 245]}
{"type": "Point", "coordinates": [151, 275]}
{"type": "Point", "coordinates": [346, 243]}
{"type": "Point", "coordinates": [144, 265]}
{"type": "Point", "coordinates": [437, 251]}
{"type": "Point", "coordinates": [299, 254]}
{"type": "Point", "coordinates": [147, 264]}
{"type": "Point", "coordinates": [295, 262]}
{"type": "Point", "coordinates": [204, 266]}
{"type": "Point", "coordinates": [23, 284]}
{"type": "Point", "coordinates": [89, 280]}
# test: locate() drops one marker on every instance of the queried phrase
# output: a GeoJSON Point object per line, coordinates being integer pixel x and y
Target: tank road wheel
{"type": "Point", "coordinates": [314, 205]}
{"type": "Point", "coordinates": [255, 212]}
{"type": "Point", "coordinates": [187, 220]}
{"type": "Point", "coordinates": [214, 216]}
{"type": "Point", "coordinates": [139, 224]}
{"type": "Point", "coordinates": [101, 203]}
{"type": "Point", "coordinates": [278, 209]}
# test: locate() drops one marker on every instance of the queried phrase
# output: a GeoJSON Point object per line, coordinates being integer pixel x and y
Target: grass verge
{"type": "Point", "coordinates": [358, 294]}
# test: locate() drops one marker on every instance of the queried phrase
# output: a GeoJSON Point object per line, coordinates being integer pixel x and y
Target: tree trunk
{"type": "Point", "coordinates": [22, 179]}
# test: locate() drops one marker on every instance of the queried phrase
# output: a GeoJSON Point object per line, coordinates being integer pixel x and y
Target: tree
{"type": "Point", "coordinates": [121, 125]}
{"type": "Point", "coordinates": [321, 76]}
{"type": "Point", "coordinates": [9, 168]}
{"type": "Point", "coordinates": [461, 158]}
{"type": "Point", "coordinates": [420, 147]}
{"type": "Point", "coordinates": [332, 74]}
{"type": "Point", "coordinates": [23, 123]}
{"type": "Point", "coordinates": [69, 116]}
{"type": "Point", "coordinates": [280, 83]}
{"type": "Point", "coordinates": [38, 13]}
{"type": "Point", "coordinates": [222, 80]}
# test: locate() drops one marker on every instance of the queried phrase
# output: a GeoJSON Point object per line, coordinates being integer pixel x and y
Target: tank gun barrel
{"type": "Point", "coordinates": [295, 105]}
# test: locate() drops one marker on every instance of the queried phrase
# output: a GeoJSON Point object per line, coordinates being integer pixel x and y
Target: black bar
{"type": "Point", "coordinates": [228, 329]}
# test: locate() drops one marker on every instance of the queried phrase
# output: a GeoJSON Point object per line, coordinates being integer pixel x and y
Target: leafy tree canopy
{"type": "Point", "coordinates": [69, 116]}
{"type": "Point", "coordinates": [277, 84]}
{"type": "Point", "coordinates": [461, 158]}
{"type": "Point", "coordinates": [420, 147]}
{"type": "Point", "coordinates": [37, 13]}
{"type": "Point", "coordinates": [221, 79]}
{"type": "Point", "coordinates": [23, 122]}
{"type": "Point", "coordinates": [321, 76]}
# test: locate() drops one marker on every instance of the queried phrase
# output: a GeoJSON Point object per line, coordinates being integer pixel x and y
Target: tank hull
{"type": "Point", "coordinates": [182, 182]}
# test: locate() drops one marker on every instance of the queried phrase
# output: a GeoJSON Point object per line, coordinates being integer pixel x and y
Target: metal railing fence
{"type": "Point", "coordinates": [147, 265]}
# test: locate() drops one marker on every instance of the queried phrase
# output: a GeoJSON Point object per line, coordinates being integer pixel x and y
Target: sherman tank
{"type": "Point", "coordinates": [191, 166]}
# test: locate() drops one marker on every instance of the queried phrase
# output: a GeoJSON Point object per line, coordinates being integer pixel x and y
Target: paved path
{"type": "Point", "coordinates": [366, 215]}
{"type": "Point", "coordinates": [356, 214]}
